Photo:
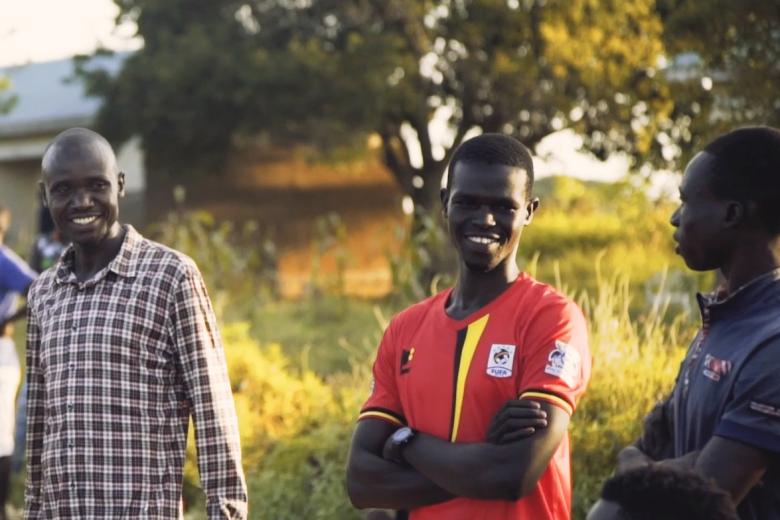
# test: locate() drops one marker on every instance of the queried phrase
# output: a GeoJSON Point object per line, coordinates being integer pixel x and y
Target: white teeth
{"type": "Point", "coordinates": [82, 221]}
{"type": "Point", "coordinates": [481, 240]}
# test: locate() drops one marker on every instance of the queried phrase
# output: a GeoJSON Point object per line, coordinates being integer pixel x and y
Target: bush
{"type": "Point", "coordinates": [635, 361]}
{"type": "Point", "coordinates": [295, 429]}
{"type": "Point", "coordinates": [297, 404]}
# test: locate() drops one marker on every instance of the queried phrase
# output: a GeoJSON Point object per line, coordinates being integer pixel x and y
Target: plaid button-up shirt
{"type": "Point", "coordinates": [115, 366]}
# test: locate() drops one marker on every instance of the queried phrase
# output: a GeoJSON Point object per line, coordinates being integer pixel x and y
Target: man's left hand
{"type": "Point", "coordinates": [517, 419]}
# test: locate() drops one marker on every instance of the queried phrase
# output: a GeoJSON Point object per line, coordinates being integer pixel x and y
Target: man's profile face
{"type": "Point", "coordinates": [699, 218]}
{"type": "Point", "coordinates": [486, 209]}
{"type": "Point", "coordinates": [82, 191]}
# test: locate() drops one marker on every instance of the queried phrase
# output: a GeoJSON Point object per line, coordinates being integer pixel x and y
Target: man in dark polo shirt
{"type": "Point", "coordinates": [723, 417]}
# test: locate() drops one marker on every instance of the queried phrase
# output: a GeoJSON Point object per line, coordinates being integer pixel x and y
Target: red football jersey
{"type": "Point", "coordinates": [448, 378]}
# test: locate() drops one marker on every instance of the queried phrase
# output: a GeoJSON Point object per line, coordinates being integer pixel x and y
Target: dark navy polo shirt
{"type": "Point", "coordinates": [729, 383]}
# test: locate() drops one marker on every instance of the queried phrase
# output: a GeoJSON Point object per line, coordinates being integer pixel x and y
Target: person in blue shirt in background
{"type": "Point", "coordinates": [46, 250]}
{"type": "Point", "coordinates": [15, 278]}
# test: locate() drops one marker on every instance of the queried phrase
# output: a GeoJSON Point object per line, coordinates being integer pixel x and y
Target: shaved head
{"type": "Point", "coordinates": [81, 185]}
{"type": "Point", "coordinates": [78, 145]}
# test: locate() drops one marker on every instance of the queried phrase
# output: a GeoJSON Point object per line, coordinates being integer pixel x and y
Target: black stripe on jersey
{"type": "Point", "coordinates": [459, 342]}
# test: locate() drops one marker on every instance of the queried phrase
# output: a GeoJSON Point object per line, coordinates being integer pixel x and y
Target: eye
{"type": "Point", "coordinates": [60, 189]}
{"type": "Point", "coordinates": [99, 185]}
{"type": "Point", "coordinates": [464, 203]}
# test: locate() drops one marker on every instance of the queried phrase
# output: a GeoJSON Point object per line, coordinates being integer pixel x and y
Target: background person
{"type": "Point", "coordinates": [15, 279]}
{"type": "Point", "coordinates": [657, 493]}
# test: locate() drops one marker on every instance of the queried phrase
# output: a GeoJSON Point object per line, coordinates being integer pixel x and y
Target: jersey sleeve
{"type": "Point", "coordinates": [15, 275]}
{"type": "Point", "coordinates": [753, 414]}
{"type": "Point", "coordinates": [384, 402]}
{"type": "Point", "coordinates": [556, 359]}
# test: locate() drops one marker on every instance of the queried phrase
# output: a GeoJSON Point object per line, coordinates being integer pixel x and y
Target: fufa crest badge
{"type": "Point", "coordinates": [563, 361]}
{"type": "Point", "coordinates": [501, 360]}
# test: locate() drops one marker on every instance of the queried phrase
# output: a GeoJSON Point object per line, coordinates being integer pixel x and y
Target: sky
{"type": "Point", "coordinates": [43, 30]}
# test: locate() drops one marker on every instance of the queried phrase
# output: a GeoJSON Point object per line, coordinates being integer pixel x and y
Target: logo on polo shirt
{"type": "Point", "coordinates": [766, 409]}
{"type": "Point", "coordinates": [715, 368]}
{"type": "Point", "coordinates": [500, 360]}
{"type": "Point", "coordinates": [563, 361]}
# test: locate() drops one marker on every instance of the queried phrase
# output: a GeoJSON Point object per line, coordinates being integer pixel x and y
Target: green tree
{"type": "Point", "coordinates": [727, 67]}
{"type": "Point", "coordinates": [333, 72]}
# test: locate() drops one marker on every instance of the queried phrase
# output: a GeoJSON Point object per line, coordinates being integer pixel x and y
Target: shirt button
{"type": "Point", "coordinates": [70, 444]}
{"type": "Point", "coordinates": [70, 407]}
{"type": "Point", "coordinates": [74, 327]}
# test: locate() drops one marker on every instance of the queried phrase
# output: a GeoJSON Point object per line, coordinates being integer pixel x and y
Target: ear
{"type": "Point", "coordinates": [735, 213]}
{"type": "Point", "coordinates": [42, 190]}
{"type": "Point", "coordinates": [444, 195]}
{"type": "Point", "coordinates": [530, 209]}
{"type": "Point", "coordinates": [120, 180]}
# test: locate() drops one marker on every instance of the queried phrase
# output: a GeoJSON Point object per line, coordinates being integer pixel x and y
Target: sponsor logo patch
{"type": "Point", "coordinates": [715, 368]}
{"type": "Point", "coordinates": [501, 360]}
{"type": "Point", "coordinates": [563, 361]}
{"type": "Point", "coordinates": [371, 386]}
{"type": "Point", "coordinates": [765, 409]}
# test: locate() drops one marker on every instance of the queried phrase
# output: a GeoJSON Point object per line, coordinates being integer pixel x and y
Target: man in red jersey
{"type": "Point", "coordinates": [474, 387]}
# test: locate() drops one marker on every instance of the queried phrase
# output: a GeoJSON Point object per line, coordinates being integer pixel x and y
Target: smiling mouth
{"type": "Point", "coordinates": [83, 221]}
{"type": "Point", "coordinates": [481, 239]}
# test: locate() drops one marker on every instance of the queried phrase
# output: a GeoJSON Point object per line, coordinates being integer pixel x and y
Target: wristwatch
{"type": "Point", "coordinates": [398, 441]}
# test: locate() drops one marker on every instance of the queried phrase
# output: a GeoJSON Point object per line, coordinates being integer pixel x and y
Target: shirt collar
{"type": "Point", "coordinates": [743, 297]}
{"type": "Point", "coordinates": [123, 264]}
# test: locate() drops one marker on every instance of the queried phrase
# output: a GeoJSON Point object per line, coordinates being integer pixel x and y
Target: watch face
{"type": "Point", "coordinates": [402, 435]}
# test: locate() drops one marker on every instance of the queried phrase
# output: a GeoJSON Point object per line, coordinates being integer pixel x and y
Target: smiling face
{"type": "Point", "coordinates": [81, 187]}
{"type": "Point", "coordinates": [486, 209]}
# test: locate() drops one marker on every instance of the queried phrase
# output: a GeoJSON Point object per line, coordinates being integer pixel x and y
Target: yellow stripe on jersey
{"type": "Point", "coordinates": [380, 415]}
{"type": "Point", "coordinates": [550, 398]}
{"type": "Point", "coordinates": [473, 334]}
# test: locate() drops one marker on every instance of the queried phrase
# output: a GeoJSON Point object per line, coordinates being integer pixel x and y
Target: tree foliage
{"type": "Point", "coordinates": [649, 77]}
{"type": "Point", "coordinates": [733, 66]}
{"type": "Point", "coordinates": [332, 72]}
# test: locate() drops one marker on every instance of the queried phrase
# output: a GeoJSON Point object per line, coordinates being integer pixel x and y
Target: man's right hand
{"type": "Point", "coordinates": [517, 419]}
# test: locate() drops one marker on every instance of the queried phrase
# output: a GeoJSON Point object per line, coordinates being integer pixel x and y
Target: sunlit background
{"type": "Point", "coordinates": [295, 149]}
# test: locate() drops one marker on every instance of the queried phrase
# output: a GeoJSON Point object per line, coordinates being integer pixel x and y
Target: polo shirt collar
{"type": "Point", "coordinates": [123, 264]}
{"type": "Point", "coordinates": [744, 297]}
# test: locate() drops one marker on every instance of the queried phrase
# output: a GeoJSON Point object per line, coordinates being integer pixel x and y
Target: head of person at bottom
{"type": "Point", "coordinates": [487, 202]}
{"type": "Point", "coordinates": [655, 493]}
{"type": "Point", "coordinates": [729, 213]}
{"type": "Point", "coordinates": [81, 185]}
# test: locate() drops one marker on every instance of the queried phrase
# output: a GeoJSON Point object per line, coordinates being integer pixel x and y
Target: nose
{"type": "Point", "coordinates": [81, 199]}
{"type": "Point", "coordinates": [485, 216]}
{"type": "Point", "coordinates": [675, 219]}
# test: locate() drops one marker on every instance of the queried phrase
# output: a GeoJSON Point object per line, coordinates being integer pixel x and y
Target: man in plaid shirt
{"type": "Point", "coordinates": [123, 348]}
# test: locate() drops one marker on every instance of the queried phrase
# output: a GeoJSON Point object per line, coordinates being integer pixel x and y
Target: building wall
{"type": "Point", "coordinates": [19, 193]}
